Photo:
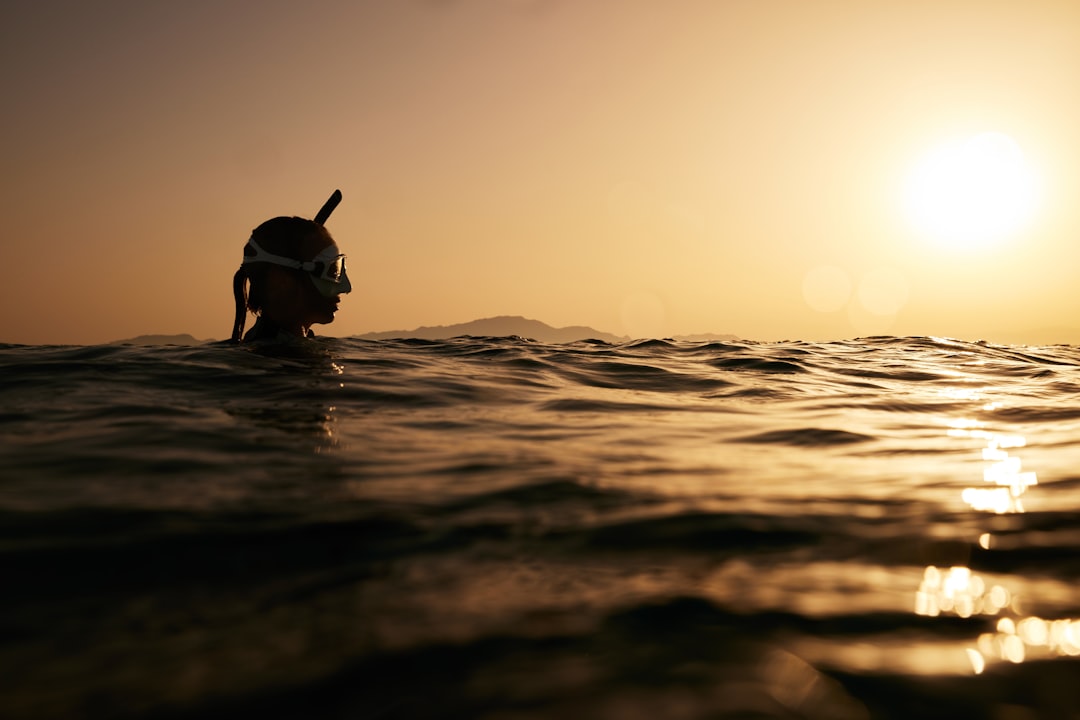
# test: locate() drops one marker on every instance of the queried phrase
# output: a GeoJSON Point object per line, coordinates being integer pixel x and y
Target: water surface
{"type": "Point", "coordinates": [499, 528]}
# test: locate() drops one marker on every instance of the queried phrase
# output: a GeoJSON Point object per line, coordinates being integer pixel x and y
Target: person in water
{"type": "Point", "coordinates": [296, 275]}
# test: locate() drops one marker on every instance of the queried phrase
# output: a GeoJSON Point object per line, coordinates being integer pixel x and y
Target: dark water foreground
{"type": "Point", "coordinates": [495, 528]}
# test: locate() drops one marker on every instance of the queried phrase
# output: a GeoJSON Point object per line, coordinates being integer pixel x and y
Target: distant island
{"type": "Point", "coordinates": [501, 326]}
{"type": "Point", "coordinates": [508, 325]}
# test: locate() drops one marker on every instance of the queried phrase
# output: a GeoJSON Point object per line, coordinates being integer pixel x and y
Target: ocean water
{"type": "Point", "coordinates": [500, 528]}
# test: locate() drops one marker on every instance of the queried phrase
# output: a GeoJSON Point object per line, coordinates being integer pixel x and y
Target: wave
{"type": "Point", "coordinates": [495, 527]}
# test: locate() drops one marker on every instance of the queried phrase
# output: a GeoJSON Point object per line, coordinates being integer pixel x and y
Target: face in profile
{"type": "Point", "coordinates": [328, 281]}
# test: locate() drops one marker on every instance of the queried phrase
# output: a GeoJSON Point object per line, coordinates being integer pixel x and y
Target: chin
{"type": "Point", "coordinates": [326, 313]}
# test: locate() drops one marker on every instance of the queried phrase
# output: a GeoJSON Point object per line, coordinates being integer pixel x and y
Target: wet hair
{"type": "Point", "coordinates": [291, 237]}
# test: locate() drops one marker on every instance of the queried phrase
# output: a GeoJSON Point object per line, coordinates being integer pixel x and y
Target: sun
{"type": "Point", "coordinates": [972, 193]}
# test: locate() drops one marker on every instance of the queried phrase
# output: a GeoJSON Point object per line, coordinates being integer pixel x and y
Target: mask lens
{"type": "Point", "coordinates": [329, 264]}
{"type": "Point", "coordinates": [329, 273]}
{"type": "Point", "coordinates": [335, 268]}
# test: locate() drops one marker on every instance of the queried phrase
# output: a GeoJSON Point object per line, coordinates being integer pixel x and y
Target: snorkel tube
{"type": "Point", "coordinates": [239, 289]}
{"type": "Point", "coordinates": [328, 207]}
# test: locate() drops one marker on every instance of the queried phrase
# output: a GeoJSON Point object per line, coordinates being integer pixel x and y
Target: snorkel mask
{"type": "Point", "coordinates": [326, 270]}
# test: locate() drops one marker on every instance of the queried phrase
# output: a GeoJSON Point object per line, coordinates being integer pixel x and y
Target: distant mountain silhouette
{"type": "Point", "coordinates": [507, 325]}
{"type": "Point", "coordinates": [502, 326]}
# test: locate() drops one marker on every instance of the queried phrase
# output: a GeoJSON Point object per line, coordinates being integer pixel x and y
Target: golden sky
{"type": "Point", "coordinates": [647, 168]}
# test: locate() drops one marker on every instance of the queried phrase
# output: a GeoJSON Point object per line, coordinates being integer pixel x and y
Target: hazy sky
{"type": "Point", "coordinates": [644, 167]}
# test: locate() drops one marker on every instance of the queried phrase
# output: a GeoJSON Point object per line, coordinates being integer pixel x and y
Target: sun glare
{"type": "Point", "coordinates": [972, 193]}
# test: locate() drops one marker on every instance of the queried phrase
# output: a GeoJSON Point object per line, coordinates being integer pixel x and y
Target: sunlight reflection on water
{"type": "Point", "coordinates": [1003, 471]}
{"type": "Point", "coordinates": [957, 590]}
